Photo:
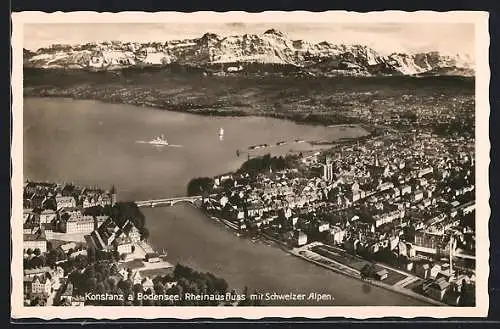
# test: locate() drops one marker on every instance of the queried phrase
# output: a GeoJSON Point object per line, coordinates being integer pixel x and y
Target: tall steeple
{"type": "Point", "coordinates": [113, 195]}
{"type": "Point", "coordinates": [328, 170]}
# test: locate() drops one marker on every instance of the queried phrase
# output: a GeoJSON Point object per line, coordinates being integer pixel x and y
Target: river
{"type": "Point", "coordinates": [94, 143]}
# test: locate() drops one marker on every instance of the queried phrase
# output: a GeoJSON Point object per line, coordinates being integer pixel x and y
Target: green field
{"type": "Point", "coordinates": [354, 262]}
{"type": "Point", "coordinates": [133, 264]}
{"type": "Point", "coordinates": [157, 271]}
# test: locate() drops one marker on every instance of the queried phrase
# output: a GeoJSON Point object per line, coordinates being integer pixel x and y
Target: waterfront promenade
{"type": "Point", "coordinates": [305, 253]}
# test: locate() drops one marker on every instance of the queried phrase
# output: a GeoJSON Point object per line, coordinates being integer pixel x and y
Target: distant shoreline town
{"type": "Point", "coordinates": [402, 102]}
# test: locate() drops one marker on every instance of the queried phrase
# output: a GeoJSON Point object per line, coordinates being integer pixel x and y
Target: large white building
{"type": "Point", "coordinates": [47, 216]}
{"type": "Point", "coordinates": [79, 224]}
{"type": "Point", "coordinates": [124, 245]}
{"type": "Point", "coordinates": [38, 285]}
{"type": "Point", "coordinates": [35, 241]}
{"type": "Point", "coordinates": [388, 217]}
{"type": "Point", "coordinates": [65, 202]}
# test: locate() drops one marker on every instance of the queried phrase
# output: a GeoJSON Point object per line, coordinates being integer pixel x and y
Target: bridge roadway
{"type": "Point", "coordinates": [168, 201]}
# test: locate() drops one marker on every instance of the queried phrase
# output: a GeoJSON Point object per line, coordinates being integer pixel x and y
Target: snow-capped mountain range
{"type": "Point", "coordinates": [233, 54]}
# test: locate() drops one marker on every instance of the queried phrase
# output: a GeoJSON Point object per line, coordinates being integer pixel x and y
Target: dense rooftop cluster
{"type": "Point", "coordinates": [81, 247]}
{"type": "Point", "coordinates": [407, 200]}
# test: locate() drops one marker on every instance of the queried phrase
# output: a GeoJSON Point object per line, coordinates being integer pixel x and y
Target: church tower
{"type": "Point", "coordinates": [328, 170]}
{"type": "Point", "coordinates": [113, 195]}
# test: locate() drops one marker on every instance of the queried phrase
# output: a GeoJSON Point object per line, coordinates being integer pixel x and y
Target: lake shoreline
{"type": "Point", "coordinates": [215, 112]}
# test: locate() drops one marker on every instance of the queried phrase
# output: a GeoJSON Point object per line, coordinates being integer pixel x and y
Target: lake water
{"type": "Point", "coordinates": [93, 143]}
{"type": "Point", "coordinates": [96, 143]}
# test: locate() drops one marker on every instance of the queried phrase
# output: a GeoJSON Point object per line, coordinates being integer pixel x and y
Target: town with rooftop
{"type": "Point", "coordinates": [396, 209]}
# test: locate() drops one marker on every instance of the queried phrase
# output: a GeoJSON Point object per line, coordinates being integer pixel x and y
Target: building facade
{"type": "Point", "coordinates": [328, 170]}
{"type": "Point", "coordinates": [77, 224]}
{"type": "Point", "coordinates": [34, 241]}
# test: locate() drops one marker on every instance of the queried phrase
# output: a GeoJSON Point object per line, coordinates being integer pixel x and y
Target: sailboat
{"type": "Point", "coordinates": [221, 133]}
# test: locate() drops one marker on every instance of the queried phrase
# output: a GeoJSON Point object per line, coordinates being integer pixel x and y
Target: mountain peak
{"type": "Point", "coordinates": [275, 32]}
{"type": "Point", "coordinates": [210, 36]}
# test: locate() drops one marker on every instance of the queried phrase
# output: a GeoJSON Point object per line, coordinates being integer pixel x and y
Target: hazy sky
{"type": "Point", "coordinates": [385, 37]}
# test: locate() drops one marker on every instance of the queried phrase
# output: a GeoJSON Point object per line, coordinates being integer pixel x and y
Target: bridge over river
{"type": "Point", "coordinates": [169, 201]}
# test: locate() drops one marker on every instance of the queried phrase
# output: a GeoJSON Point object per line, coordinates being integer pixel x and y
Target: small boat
{"type": "Point", "coordinates": [160, 140]}
{"type": "Point", "coordinates": [256, 147]}
{"type": "Point", "coordinates": [221, 133]}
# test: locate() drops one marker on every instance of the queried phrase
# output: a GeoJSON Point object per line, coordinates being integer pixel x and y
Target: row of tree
{"type": "Point", "coordinates": [120, 213]}
{"type": "Point", "coordinates": [205, 185]}
{"type": "Point", "coordinates": [200, 186]}
{"type": "Point", "coordinates": [368, 271]}
{"type": "Point", "coordinates": [266, 163]}
{"type": "Point", "coordinates": [102, 277]}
